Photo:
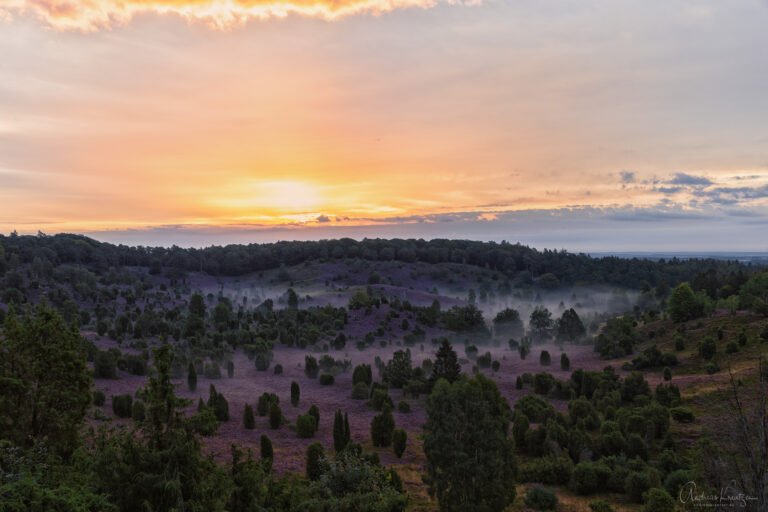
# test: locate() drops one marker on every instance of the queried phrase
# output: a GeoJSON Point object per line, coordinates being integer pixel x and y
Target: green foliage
{"type": "Point", "coordinates": [267, 452]}
{"type": "Point", "coordinates": [315, 455]}
{"type": "Point", "coordinates": [600, 506]}
{"type": "Point", "coordinates": [547, 470]}
{"type": "Point", "coordinates": [470, 461]}
{"type": "Point", "coordinates": [545, 359]}
{"type": "Point", "coordinates": [362, 374]}
{"type": "Point", "coordinates": [341, 434]}
{"type": "Point", "coordinates": [403, 407]}
{"type": "Point", "coordinates": [636, 484]}
{"type": "Point", "coordinates": [684, 304]}
{"type": "Point", "coordinates": [122, 405]}
{"type": "Point", "coordinates": [326, 379]}
{"type": "Point", "coordinates": [311, 368]}
{"type": "Point", "coordinates": [507, 322]}
{"type": "Point", "coordinates": [569, 327]}
{"type": "Point", "coordinates": [305, 426]}
{"type": "Point", "coordinates": [541, 323]}
{"type": "Point", "coordinates": [191, 377]}
{"type": "Point", "coordinates": [99, 398]}
{"type": "Point", "coordinates": [682, 414]}
{"type": "Point", "coordinates": [275, 416]}
{"type": "Point", "coordinates": [360, 391]}
{"type": "Point", "coordinates": [565, 363]}
{"type": "Point", "coordinates": [754, 294]}
{"type": "Point", "coordinates": [382, 427]}
{"type": "Point", "coordinates": [314, 411]}
{"type": "Point", "coordinates": [45, 386]}
{"type": "Point", "coordinates": [138, 411]}
{"type": "Point", "coordinates": [399, 369]}
{"type": "Point", "coordinates": [295, 393]}
{"type": "Point", "coordinates": [104, 365]}
{"type": "Point", "coordinates": [218, 404]}
{"type": "Point", "coordinates": [446, 365]}
{"type": "Point", "coordinates": [539, 498]}
{"type": "Point", "coordinates": [249, 421]}
{"type": "Point", "coordinates": [399, 440]}
{"type": "Point", "coordinates": [535, 408]}
{"type": "Point", "coordinates": [708, 348]}
{"type": "Point", "coordinates": [657, 500]}
{"type": "Point", "coordinates": [265, 400]}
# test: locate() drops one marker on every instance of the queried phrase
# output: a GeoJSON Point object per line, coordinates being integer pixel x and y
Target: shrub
{"type": "Point", "coordinates": [275, 416]}
{"type": "Point", "coordinates": [600, 506]}
{"type": "Point", "coordinates": [138, 411]}
{"type": "Point", "coordinates": [539, 498]}
{"type": "Point", "coordinates": [122, 405]}
{"type": "Point", "coordinates": [667, 373]}
{"type": "Point", "coordinates": [305, 426]}
{"type": "Point", "coordinates": [295, 393]}
{"type": "Point", "coordinates": [99, 398]}
{"type": "Point", "coordinates": [278, 369]}
{"type": "Point", "coordinates": [675, 480]}
{"type": "Point", "coordinates": [731, 348]}
{"type": "Point", "coordinates": [249, 421]}
{"type": "Point", "coordinates": [382, 427]}
{"type": "Point", "coordinates": [379, 399]}
{"type": "Point", "coordinates": [545, 359]}
{"type": "Point", "coordinates": [404, 407]}
{"type": "Point", "coordinates": [326, 379]}
{"type": "Point", "coordinates": [708, 348]}
{"type": "Point", "coordinates": [657, 500]}
{"type": "Point", "coordinates": [230, 369]}
{"type": "Point", "coordinates": [547, 470]}
{"type": "Point", "coordinates": [265, 400]}
{"type": "Point", "coordinates": [679, 342]}
{"type": "Point", "coordinates": [104, 365]}
{"type": "Point", "coordinates": [535, 408]}
{"type": "Point", "coordinates": [191, 377]}
{"type": "Point", "coordinates": [362, 374]}
{"type": "Point", "coordinates": [518, 383]}
{"type": "Point", "coordinates": [681, 414]}
{"type": "Point", "coordinates": [315, 413]}
{"type": "Point", "coordinates": [267, 452]}
{"type": "Point", "coordinates": [399, 440]}
{"type": "Point", "coordinates": [311, 368]}
{"type": "Point", "coordinates": [496, 366]}
{"type": "Point", "coordinates": [711, 368]}
{"type": "Point", "coordinates": [565, 363]}
{"type": "Point", "coordinates": [212, 371]}
{"type": "Point", "coordinates": [636, 484]}
{"type": "Point", "coordinates": [315, 455]}
{"type": "Point", "coordinates": [360, 391]}
{"type": "Point", "coordinates": [588, 477]}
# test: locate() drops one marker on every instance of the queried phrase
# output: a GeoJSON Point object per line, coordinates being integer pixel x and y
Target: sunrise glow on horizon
{"type": "Point", "coordinates": [435, 119]}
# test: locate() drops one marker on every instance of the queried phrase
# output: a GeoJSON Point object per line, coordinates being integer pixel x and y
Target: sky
{"type": "Point", "coordinates": [588, 125]}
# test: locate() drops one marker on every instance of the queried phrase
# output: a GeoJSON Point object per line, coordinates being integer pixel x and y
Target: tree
{"type": "Point", "coordinates": [249, 421]}
{"type": "Point", "coordinates": [565, 363]}
{"type": "Point", "coordinates": [315, 455]}
{"type": "Point", "coordinates": [191, 377]}
{"type": "Point", "coordinates": [569, 327]}
{"type": "Point", "coordinates": [267, 452]}
{"type": "Point", "coordinates": [446, 365]}
{"type": "Point", "coordinates": [275, 416]}
{"type": "Point", "coordinates": [340, 431]}
{"type": "Point", "coordinates": [305, 426]}
{"type": "Point", "coordinates": [362, 374]}
{"type": "Point", "coordinates": [507, 322]}
{"type": "Point", "coordinates": [164, 449]}
{"type": "Point", "coordinates": [311, 368]}
{"type": "Point", "coordinates": [754, 294]}
{"type": "Point", "coordinates": [399, 440]}
{"type": "Point", "coordinates": [295, 393]}
{"type": "Point", "coordinates": [684, 305]}
{"type": "Point", "coordinates": [545, 359]}
{"type": "Point", "coordinates": [470, 460]}
{"type": "Point", "coordinates": [399, 369]}
{"type": "Point", "coordinates": [541, 323]}
{"type": "Point", "coordinates": [382, 427]}
{"type": "Point", "coordinates": [45, 387]}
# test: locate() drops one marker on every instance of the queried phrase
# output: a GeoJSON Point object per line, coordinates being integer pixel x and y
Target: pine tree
{"type": "Point", "coordinates": [295, 393]}
{"type": "Point", "coordinates": [446, 365]}
{"type": "Point", "coordinates": [275, 416]}
{"type": "Point", "coordinates": [315, 455]}
{"type": "Point", "coordinates": [347, 433]}
{"type": "Point", "coordinates": [191, 377]}
{"type": "Point", "coordinates": [382, 426]}
{"type": "Point", "coordinates": [248, 419]}
{"type": "Point", "coordinates": [340, 438]}
{"type": "Point", "coordinates": [267, 452]}
{"type": "Point", "coordinates": [399, 440]}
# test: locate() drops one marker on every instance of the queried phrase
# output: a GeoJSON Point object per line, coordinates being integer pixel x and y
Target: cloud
{"type": "Point", "coordinates": [91, 15]}
{"type": "Point", "coordinates": [323, 219]}
{"type": "Point", "coordinates": [627, 176]}
{"type": "Point", "coordinates": [689, 180]}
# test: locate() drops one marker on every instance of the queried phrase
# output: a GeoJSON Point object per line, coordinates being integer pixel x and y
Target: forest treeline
{"type": "Point", "coordinates": [514, 260]}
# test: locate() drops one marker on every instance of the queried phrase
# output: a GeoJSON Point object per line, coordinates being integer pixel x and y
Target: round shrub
{"type": "Point", "coordinates": [731, 347]}
{"type": "Point", "coordinates": [539, 498]}
{"type": "Point", "coordinates": [657, 500]}
{"type": "Point", "coordinates": [711, 368]}
{"type": "Point", "coordinates": [675, 480]}
{"type": "Point", "coordinates": [545, 359]}
{"type": "Point", "coordinates": [600, 506]}
{"type": "Point", "coordinates": [326, 379]}
{"type": "Point", "coordinates": [636, 484]}
{"type": "Point", "coordinates": [360, 391]}
{"type": "Point", "coordinates": [404, 407]}
{"type": "Point", "coordinates": [565, 363]}
{"type": "Point", "coordinates": [399, 440]}
{"type": "Point", "coordinates": [305, 426]}
{"type": "Point", "coordinates": [315, 413]}
{"type": "Point", "coordinates": [138, 411]}
{"type": "Point", "coordinates": [99, 398]}
{"type": "Point", "coordinates": [588, 477]}
{"type": "Point", "coordinates": [278, 369]}
{"type": "Point", "coordinates": [122, 405]}
{"type": "Point", "coordinates": [681, 414]}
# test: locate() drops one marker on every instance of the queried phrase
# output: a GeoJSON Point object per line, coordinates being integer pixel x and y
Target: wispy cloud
{"type": "Point", "coordinates": [688, 179]}
{"type": "Point", "coordinates": [90, 15]}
